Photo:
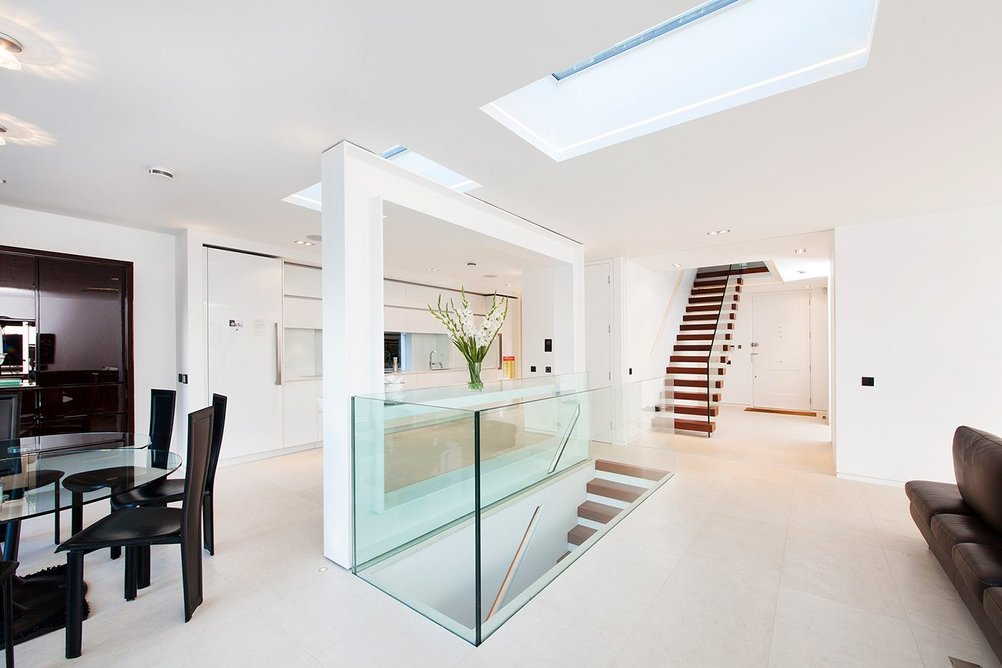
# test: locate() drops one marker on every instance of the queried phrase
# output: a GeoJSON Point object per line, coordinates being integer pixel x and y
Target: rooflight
{"type": "Point", "coordinates": [410, 160]}
{"type": "Point", "coordinates": [679, 21]}
{"type": "Point", "coordinates": [428, 168]}
{"type": "Point", "coordinates": [699, 63]}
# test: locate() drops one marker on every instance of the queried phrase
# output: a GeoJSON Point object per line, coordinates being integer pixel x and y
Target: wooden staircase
{"type": "Point", "coordinates": [699, 359]}
{"type": "Point", "coordinates": [614, 487]}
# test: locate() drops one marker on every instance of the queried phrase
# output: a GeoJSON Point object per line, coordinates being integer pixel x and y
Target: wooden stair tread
{"type": "Point", "coordinates": [686, 382]}
{"type": "Point", "coordinates": [580, 534]}
{"type": "Point", "coordinates": [733, 272]}
{"type": "Point", "coordinates": [722, 359]}
{"type": "Point", "coordinates": [632, 470]}
{"type": "Point", "coordinates": [696, 425]}
{"type": "Point", "coordinates": [614, 490]}
{"type": "Point", "coordinates": [696, 396]}
{"type": "Point", "coordinates": [696, 370]}
{"type": "Point", "coordinates": [704, 411]}
{"type": "Point", "coordinates": [704, 337]}
{"type": "Point", "coordinates": [598, 512]}
{"type": "Point", "coordinates": [698, 348]}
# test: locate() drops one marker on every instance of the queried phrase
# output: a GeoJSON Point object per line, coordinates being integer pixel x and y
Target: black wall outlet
{"type": "Point", "coordinates": [548, 369]}
{"type": "Point", "coordinates": [532, 369]}
{"type": "Point", "coordinates": [547, 345]}
{"type": "Point", "coordinates": [867, 381]}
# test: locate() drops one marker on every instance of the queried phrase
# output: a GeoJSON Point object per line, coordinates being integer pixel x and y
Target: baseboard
{"type": "Point", "coordinates": [874, 481]}
{"type": "Point", "coordinates": [270, 454]}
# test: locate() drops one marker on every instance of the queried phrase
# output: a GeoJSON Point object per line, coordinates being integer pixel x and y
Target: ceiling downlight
{"type": "Point", "coordinates": [9, 48]}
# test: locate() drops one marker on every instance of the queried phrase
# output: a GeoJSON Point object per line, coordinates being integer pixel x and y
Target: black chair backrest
{"type": "Point", "coordinates": [218, 422]}
{"type": "Point", "coordinates": [10, 428]}
{"type": "Point", "coordinates": [10, 415]}
{"type": "Point", "coordinates": [161, 424]}
{"type": "Point", "coordinates": [196, 472]}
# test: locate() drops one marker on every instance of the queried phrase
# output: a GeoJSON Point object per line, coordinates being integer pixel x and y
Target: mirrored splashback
{"type": "Point", "coordinates": [430, 352]}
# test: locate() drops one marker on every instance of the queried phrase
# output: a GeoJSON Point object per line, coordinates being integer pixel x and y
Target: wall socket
{"type": "Point", "coordinates": [182, 378]}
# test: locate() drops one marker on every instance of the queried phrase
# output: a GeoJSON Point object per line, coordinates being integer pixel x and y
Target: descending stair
{"type": "Point", "coordinates": [614, 487]}
{"type": "Point", "coordinates": [699, 359]}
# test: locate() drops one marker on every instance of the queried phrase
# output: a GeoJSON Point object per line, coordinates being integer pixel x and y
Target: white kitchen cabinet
{"type": "Point", "coordinates": [303, 312]}
{"type": "Point", "coordinates": [301, 411]}
{"type": "Point", "coordinates": [303, 281]}
{"type": "Point", "coordinates": [395, 319]}
{"type": "Point", "coordinates": [394, 293]}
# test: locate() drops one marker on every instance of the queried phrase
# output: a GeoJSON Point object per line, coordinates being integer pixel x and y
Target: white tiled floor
{"type": "Point", "coordinates": [753, 555]}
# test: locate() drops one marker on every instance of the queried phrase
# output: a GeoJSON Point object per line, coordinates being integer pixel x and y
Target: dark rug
{"type": "Point", "coordinates": [40, 604]}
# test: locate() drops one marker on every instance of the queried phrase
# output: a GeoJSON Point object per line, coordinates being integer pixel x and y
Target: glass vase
{"type": "Point", "coordinates": [475, 382]}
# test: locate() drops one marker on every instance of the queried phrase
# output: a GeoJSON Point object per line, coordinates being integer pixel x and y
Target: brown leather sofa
{"type": "Point", "coordinates": [963, 525]}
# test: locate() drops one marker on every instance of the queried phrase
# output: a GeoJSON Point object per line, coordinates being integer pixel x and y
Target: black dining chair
{"type": "Point", "coordinates": [161, 428]}
{"type": "Point", "coordinates": [163, 491]}
{"type": "Point", "coordinates": [138, 528]}
{"type": "Point", "coordinates": [14, 480]}
{"type": "Point", "coordinates": [7, 570]}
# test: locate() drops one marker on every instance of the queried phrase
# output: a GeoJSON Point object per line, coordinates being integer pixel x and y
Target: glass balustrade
{"type": "Point", "coordinates": [467, 503]}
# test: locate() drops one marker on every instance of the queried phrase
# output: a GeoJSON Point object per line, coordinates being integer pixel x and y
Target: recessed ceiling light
{"type": "Point", "coordinates": [430, 269]}
{"type": "Point", "coordinates": [801, 271]}
{"type": "Point", "coordinates": [9, 48]}
{"type": "Point", "coordinates": [490, 275]}
{"type": "Point", "coordinates": [160, 171]}
{"type": "Point", "coordinates": [509, 285]}
{"type": "Point", "coordinates": [676, 265]}
{"type": "Point", "coordinates": [314, 237]}
{"type": "Point", "coordinates": [3, 131]}
{"type": "Point", "coordinates": [471, 264]}
{"type": "Point", "coordinates": [801, 251]}
{"type": "Point", "coordinates": [300, 242]}
{"type": "Point", "coordinates": [716, 232]}
{"type": "Point", "coordinates": [3, 181]}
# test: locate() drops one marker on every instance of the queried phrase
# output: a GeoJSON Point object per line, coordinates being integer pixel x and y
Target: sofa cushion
{"type": "Point", "coordinates": [993, 607]}
{"type": "Point", "coordinates": [935, 498]}
{"type": "Point", "coordinates": [977, 463]}
{"type": "Point", "coordinates": [948, 530]}
{"type": "Point", "coordinates": [979, 566]}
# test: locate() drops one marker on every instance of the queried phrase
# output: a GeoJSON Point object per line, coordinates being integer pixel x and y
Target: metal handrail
{"type": "Point", "coordinates": [563, 444]}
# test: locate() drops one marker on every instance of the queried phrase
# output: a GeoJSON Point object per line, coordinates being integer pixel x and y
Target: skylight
{"type": "Point", "coordinates": [428, 168]}
{"type": "Point", "coordinates": [717, 56]}
{"type": "Point", "coordinates": [406, 158]}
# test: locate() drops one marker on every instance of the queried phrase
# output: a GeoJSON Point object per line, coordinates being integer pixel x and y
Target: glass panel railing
{"type": "Point", "coordinates": [413, 480]}
{"type": "Point", "coordinates": [466, 504]}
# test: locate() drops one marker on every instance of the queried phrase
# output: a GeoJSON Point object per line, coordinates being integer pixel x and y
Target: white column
{"type": "Point", "coordinates": [352, 228]}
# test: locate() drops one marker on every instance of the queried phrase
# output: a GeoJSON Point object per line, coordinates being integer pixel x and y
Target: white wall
{"type": "Point", "coordinates": [152, 255]}
{"type": "Point", "coordinates": [738, 383]}
{"type": "Point", "coordinates": [653, 305]}
{"type": "Point", "coordinates": [548, 313]}
{"type": "Point", "coordinates": [916, 307]}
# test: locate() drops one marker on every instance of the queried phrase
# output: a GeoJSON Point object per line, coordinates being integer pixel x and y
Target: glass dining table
{"type": "Point", "coordinates": [32, 472]}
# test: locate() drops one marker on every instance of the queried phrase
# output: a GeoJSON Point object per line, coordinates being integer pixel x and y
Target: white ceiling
{"type": "Point", "coordinates": [415, 243]}
{"type": "Point", "coordinates": [239, 99]}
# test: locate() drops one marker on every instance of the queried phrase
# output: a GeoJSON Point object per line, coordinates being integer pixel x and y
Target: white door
{"type": "Point", "coordinates": [598, 347]}
{"type": "Point", "coordinates": [244, 316]}
{"type": "Point", "coordinates": [781, 350]}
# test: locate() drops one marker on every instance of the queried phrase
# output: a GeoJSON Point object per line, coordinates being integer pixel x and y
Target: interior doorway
{"type": "Point", "coordinates": [781, 350]}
